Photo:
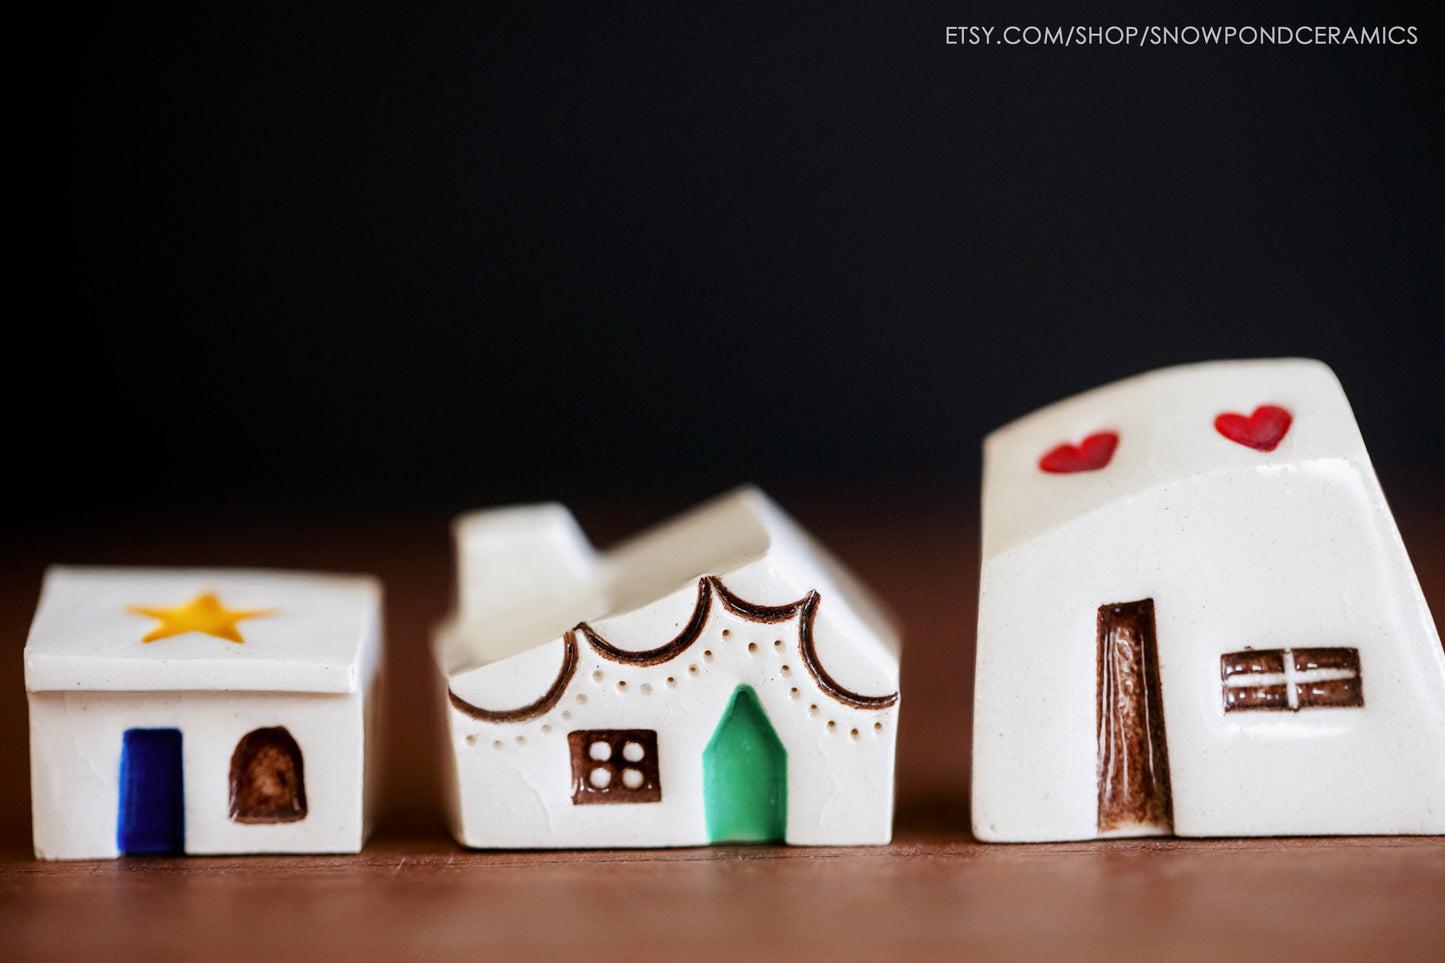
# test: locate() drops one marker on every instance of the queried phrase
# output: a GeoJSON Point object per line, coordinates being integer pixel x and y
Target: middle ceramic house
{"type": "Point", "coordinates": [718, 678]}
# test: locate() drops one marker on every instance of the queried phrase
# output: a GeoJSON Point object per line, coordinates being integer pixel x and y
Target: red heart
{"type": "Point", "coordinates": [1090, 454]}
{"type": "Point", "coordinates": [1261, 431]}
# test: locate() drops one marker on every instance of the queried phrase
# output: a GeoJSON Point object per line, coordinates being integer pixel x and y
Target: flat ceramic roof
{"type": "Point", "coordinates": [300, 631]}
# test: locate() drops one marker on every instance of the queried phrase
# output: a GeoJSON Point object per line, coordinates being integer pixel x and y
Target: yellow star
{"type": "Point", "coordinates": [204, 613]}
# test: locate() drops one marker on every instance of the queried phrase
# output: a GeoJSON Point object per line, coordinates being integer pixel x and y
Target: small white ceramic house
{"type": "Point", "coordinates": [1196, 616]}
{"type": "Point", "coordinates": [719, 678]}
{"type": "Point", "coordinates": [194, 711]}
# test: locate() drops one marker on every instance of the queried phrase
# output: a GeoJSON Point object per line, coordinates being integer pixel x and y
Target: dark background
{"type": "Point", "coordinates": [335, 257]}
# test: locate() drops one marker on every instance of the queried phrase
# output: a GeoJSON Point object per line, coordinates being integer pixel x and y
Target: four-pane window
{"type": "Point", "coordinates": [614, 766]}
{"type": "Point", "coordinates": [1291, 679]}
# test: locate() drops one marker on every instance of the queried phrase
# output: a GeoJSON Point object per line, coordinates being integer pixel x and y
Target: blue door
{"type": "Point", "coordinates": [152, 800]}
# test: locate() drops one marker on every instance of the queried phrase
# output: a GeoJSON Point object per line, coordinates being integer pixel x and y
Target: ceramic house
{"type": "Point", "coordinates": [179, 710]}
{"type": "Point", "coordinates": [1197, 616]}
{"type": "Point", "coordinates": [719, 678]}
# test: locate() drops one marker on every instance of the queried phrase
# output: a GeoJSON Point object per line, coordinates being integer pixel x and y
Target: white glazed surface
{"type": "Point", "coordinates": [309, 667]}
{"type": "Point", "coordinates": [512, 781]}
{"type": "Point", "coordinates": [320, 639]}
{"type": "Point", "coordinates": [75, 750]}
{"type": "Point", "coordinates": [1237, 548]}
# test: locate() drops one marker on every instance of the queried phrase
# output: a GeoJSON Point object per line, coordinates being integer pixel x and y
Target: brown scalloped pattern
{"type": "Point", "coordinates": [663, 653]}
{"type": "Point", "coordinates": [708, 586]}
{"type": "Point", "coordinates": [549, 699]}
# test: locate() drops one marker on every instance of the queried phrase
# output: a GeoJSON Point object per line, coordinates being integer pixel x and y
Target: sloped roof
{"type": "Point", "coordinates": [1165, 423]}
{"type": "Point", "coordinates": [681, 565]}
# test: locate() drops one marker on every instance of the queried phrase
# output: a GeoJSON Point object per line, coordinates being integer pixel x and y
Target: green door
{"type": "Point", "coordinates": [745, 775]}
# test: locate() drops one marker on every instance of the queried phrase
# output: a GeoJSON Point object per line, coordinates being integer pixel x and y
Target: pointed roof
{"type": "Point", "coordinates": [682, 562]}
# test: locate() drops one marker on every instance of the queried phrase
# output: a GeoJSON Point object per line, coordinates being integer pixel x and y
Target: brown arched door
{"type": "Point", "coordinates": [268, 783]}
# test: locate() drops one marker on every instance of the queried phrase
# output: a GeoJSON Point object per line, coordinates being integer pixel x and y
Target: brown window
{"type": "Point", "coordinates": [268, 781]}
{"type": "Point", "coordinates": [1291, 679]}
{"type": "Point", "coordinates": [614, 766]}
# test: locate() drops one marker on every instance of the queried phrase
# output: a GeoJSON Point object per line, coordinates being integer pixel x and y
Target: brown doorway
{"type": "Point", "coordinates": [268, 782]}
{"type": "Point", "coordinates": [1133, 765]}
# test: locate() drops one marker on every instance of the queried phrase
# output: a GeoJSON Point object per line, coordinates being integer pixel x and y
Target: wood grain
{"type": "Point", "coordinates": [935, 892]}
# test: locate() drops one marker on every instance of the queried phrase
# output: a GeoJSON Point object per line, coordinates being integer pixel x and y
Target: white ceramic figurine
{"type": "Point", "coordinates": [719, 678]}
{"type": "Point", "coordinates": [193, 711]}
{"type": "Point", "coordinates": [1196, 617]}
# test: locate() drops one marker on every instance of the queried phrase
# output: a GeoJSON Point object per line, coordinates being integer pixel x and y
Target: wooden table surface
{"type": "Point", "coordinates": [935, 891]}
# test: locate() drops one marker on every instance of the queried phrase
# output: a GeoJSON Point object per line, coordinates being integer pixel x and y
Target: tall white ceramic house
{"type": "Point", "coordinates": [194, 711]}
{"type": "Point", "coordinates": [1197, 616]}
{"type": "Point", "coordinates": [718, 678]}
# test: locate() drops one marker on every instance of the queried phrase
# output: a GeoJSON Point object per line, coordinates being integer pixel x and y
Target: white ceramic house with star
{"type": "Point", "coordinates": [196, 711]}
{"type": "Point", "coordinates": [1197, 617]}
{"type": "Point", "coordinates": [718, 678]}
